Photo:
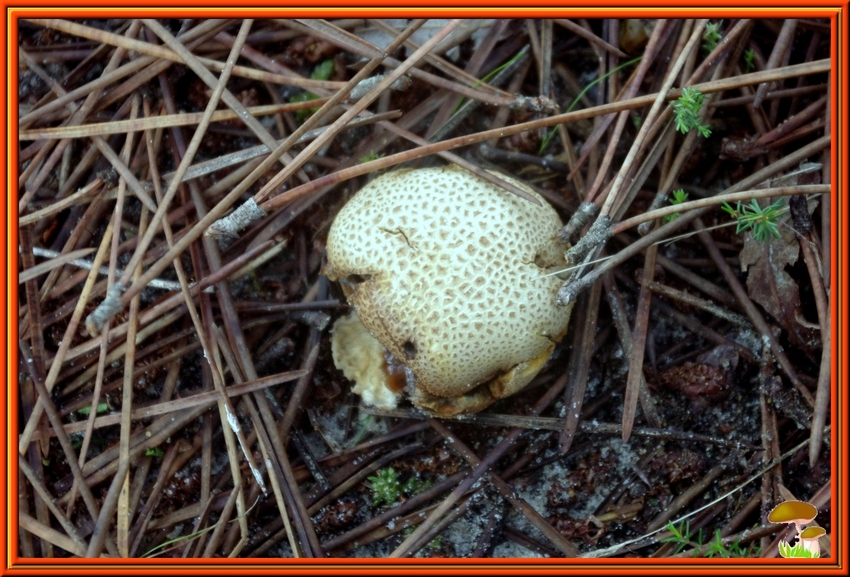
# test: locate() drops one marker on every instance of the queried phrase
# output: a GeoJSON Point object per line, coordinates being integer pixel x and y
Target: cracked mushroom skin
{"type": "Point", "coordinates": [445, 270]}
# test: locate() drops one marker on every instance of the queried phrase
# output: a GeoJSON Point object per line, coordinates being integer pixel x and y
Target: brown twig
{"type": "Point", "coordinates": [564, 546]}
{"type": "Point", "coordinates": [638, 102]}
{"type": "Point", "coordinates": [634, 379]}
{"type": "Point", "coordinates": [572, 288]}
{"type": "Point", "coordinates": [580, 359]}
{"type": "Point", "coordinates": [685, 497]}
{"type": "Point", "coordinates": [780, 48]}
{"type": "Point", "coordinates": [589, 36]}
{"type": "Point", "coordinates": [506, 443]}
{"type": "Point", "coordinates": [717, 200]}
{"type": "Point", "coordinates": [557, 424]}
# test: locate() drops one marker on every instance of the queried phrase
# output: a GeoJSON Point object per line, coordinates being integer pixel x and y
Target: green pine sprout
{"type": "Point", "coordinates": [576, 100]}
{"type": "Point", "coordinates": [86, 411]}
{"type": "Point", "coordinates": [413, 486]}
{"type": "Point", "coordinates": [687, 108]}
{"type": "Point", "coordinates": [679, 196]}
{"type": "Point", "coordinates": [303, 114]}
{"type": "Point", "coordinates": [716, 548]}
{"type": "Point", "coordinates": [385, 487]}
{"type": "Point", "coordinates": [762, 221]}
{"type": "Point", "coordinates": [154, 452]}
{"type": "Point", "coordinates": [683, 537]}
{"type": "Point", "coordinates": [711, 36]}
{"type": "Point", "coordinates": [749, 61]}
{"type": "Point", "coordinates": [370, 157]}
{"type": "Point", "coordinates": [322, 72]}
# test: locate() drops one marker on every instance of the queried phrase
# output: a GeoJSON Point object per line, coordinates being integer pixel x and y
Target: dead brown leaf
{"type": "Point", "coordinates": [770, 285]}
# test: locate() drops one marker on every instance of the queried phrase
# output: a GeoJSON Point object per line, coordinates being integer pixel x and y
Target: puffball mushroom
{"type": "Point", "coordinates": [446, 273]}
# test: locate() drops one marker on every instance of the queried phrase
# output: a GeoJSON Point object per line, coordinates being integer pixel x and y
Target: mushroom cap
{"type": "Point", "coordinates": [446, 270]}
{"type": "Point", "coordinates": [812, 533]}
{"type": "Point", "coordinates": [798, 512]}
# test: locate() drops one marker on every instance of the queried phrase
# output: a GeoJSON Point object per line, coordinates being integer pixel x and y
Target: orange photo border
{"type": "Point", "coordinates": [836, 11]}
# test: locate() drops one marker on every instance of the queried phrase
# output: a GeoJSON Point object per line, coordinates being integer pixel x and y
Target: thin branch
{"type": "Point", "coordinates": [717, 200]}
{"type": "Point", "coordinates": [589, 36]}
{"type": "Point", "coordinates": [175, 55]}
{"type": "Point", "coordinates": [639, 102]}
{"type": "Point", "coordinates": [163, 121]}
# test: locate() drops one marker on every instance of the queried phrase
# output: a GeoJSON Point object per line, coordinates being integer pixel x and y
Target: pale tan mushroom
{"type": "Point", "coordinates": [446, 271]}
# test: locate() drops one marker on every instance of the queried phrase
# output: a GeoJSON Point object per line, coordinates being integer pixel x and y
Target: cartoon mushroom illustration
{"type": "Point", "coordinates": [447, 276]}
{"type": "Point", "coordinates": [809, 538]}
{"type": "Point", "coordinates": [797, 512]}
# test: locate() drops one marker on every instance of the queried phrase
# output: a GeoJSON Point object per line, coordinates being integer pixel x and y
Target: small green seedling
{"type": "Point", "coordinates": [413, 486]}
{"type": "Point", "coordinates": [86, 411]}
{"type": "Point", "coordinates": [711, 36]}
{"type": "Point", "coordinates": [304, 113]}
{"type": "Point", "coordinates": [749, 61]}
{"type": "Point", "coordinates": [716, 548]}
{"type": "Point", "coordinates": [370, 157]}
{"type": "Point", "coordinates": [682, 537]}
{"type": "Point", "coordinates": [385, 487]}
{"type": "Point", "coordinates": [322, 72]}
{"type": "Point", "coordinates": [762, 221]}
{"type": "Point", "coordinates": [154, 452]}
{"type": "Point", "coordinates": [679, 196]}
{"type": "Point", "coordinates": [687, 108]}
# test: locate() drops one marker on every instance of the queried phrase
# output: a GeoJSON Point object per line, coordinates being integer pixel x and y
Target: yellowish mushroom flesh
{"type": "Point", "coordinates": [446, 271]}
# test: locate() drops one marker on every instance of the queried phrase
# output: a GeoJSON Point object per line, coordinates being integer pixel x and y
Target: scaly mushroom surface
{"type": "Point", "coordinates": [446, 271]}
